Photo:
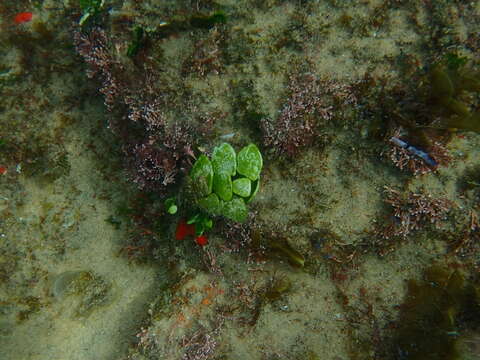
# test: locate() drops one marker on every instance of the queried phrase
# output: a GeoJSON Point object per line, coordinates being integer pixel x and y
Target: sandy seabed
{"type": "Point", "coordinates": [69, 288]}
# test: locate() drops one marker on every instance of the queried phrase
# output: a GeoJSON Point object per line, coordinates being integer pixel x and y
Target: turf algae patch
{"type": "Point", "coordinates": [83, 290]}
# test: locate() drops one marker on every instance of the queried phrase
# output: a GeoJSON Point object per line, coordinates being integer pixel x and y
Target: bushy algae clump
{"type": "Point", "coordinates": [445, 98]}
{"type": "Point", "coordinates": [418, 117]}
{"type": "Point", "coordinates": [450, 86]}
{"type": "Point", "coordinates": [436, 315]}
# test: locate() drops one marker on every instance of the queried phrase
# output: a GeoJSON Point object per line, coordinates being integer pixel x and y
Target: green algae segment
{"type": "Point", "coordinates": [249, 162]}
{"type": "Point", "coordinates": [202, 176]}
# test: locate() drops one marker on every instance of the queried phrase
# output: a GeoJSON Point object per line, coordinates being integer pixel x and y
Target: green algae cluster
{"type": "Point", "coordinates": [435, 316]}
{"type": "Point", "coordinates": [224, 184]}
{"type": "Point", "coordinates": [180, 24]}
{"type": "Point", "coordinates": [141, 37]}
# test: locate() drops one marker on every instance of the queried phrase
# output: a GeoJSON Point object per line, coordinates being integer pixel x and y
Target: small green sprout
{"type": "Point", "coordinates": [455, 61]}
{"type": "Point", "coordinates": [171, 206]}
{"type": "Point", "coordinates": [139, 40]}
{"type": "Point", "coordinates": [90, 8]}
{"type": "Point", "coordinates": [202, 223]}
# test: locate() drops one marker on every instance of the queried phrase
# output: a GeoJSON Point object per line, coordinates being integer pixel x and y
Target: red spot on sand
{"type": "Point", "coordinates": [183, 230]}
{"type": "Point", "coordinates": [201, 240]}
{"type": "Point", "coordinates": [23, 17]}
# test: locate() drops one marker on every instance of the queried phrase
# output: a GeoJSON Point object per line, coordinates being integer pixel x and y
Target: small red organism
{"type": "Point", "coordinates": [23, 17]}
{"type": "Point", "coordinates": [201, 240]}
{"type": "Point", "coordinates": [184, 229]}
{"type": "Point", "coordinates": [3, 170]}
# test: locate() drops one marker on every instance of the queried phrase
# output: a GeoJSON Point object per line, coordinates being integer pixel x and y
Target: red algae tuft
{"type": "Point", "coordinates": [183, 230]}
{"type": "Point", "coordinates": [201, 240]}
{"type": "Point", "coordinates": [23, 17]}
